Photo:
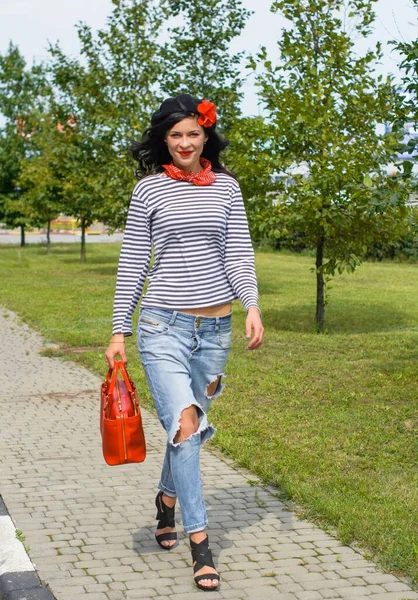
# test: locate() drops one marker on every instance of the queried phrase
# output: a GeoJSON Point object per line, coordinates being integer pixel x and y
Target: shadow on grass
{"type": "Point", "coordinates": [352, 317]}
{"type": "Point", "coordinates": [109, 271]}
{"type": "Point", "coordinates": [92, 260]}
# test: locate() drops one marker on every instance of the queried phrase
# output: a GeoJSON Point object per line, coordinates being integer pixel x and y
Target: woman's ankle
{"type": "Point", "coordinates": [198, 536]}
{"type": "Point", "coordinates": [169, 501]}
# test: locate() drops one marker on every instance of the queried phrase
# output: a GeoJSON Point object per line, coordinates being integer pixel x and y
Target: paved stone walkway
{"type": "Point", "coordinates": [90, 527]}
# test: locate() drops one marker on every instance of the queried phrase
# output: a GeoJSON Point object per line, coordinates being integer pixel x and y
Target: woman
{"type": "Point", "coordinates": [190, 209]}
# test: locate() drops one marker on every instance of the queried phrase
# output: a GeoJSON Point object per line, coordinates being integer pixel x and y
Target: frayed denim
{"type": "Point", "coordinates": [182, 355]}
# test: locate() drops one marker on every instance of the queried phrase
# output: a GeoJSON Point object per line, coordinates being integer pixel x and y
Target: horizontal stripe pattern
{"type": "Point", "coordinates": [202, 248]}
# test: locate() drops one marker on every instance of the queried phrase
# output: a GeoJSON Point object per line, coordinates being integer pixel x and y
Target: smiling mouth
{"type": "Point", "coordinates": [185, 153]}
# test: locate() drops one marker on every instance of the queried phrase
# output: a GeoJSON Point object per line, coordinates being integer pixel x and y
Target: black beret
{"type": "Point", "coordinates": [185, 103]}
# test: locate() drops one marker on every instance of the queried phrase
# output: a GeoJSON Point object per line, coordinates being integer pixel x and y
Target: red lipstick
{"type": "Point", "coordinates": [185, 153]}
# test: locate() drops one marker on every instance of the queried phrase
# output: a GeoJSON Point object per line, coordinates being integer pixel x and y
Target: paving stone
{"type": "Point", "coordinates": [73, 581]}
{"type": "Point", "coordinates": [395, 586]}
{"type": "Point", "coordinates": [70, 590]}
{"type": "Point", "coordinates": [347, 573]}
{"type": "Point", "coordinates": [357, 562]}
{"type": "Point", "coordinates": [333, 574]}
{"type": "Point", "coordinates": [96, 587]}
{"type": "Point", "coordinates": [268, 594]}
{"type": "Point", "coordinates": [90, 527]}
{"type": "Point", "coordinates": [378, 578]}
{"type": "Point", "coordinates": [290, 588]}
{"type": "Point", "coordinates": [405, 595]}
{"type": "Point", "coordinates": [254, 582]}
{"type": "Point", "coordinates": [308, 596]}
{"type": "Point", "coordinates": [115, 595]}
{"type": "Point", "coordinates": [88, 596]}
{"type": "Point", "coordinates": [353, 592]}
{"type": "Point", "coordinates": [117, 585]}
{"type": "Point", "coordinates": [104, 579]}
{"type": "Point", "coordinates": [329, 595]}
{"type": "Point", "coordinates": [325, 584]}
{"type": "Point", "coordinates": [144, 593]}
{"type": "Point", "coordinates": [313, 568]}
{"type": "Point", "coordinates": [233, 576]}
{"type": "Point", "coordinates": [231, 594]}
{"type": "Point", "coordinates": [138, 582]}
{"type": "Point", "coordinates": [356, 580]}
{"type": "Point", "coordinates": [305, 576]}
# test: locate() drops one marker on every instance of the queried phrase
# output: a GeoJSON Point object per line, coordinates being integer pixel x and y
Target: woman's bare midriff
{"type": "Point", "coordinates": [208, 311]}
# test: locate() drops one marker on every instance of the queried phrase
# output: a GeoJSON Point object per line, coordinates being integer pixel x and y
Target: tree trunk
{"type": "Point", "coordinates": [320, 285]}
{"type": "Point", "coordinates": [83, 241]}
{"type": "Point", "coordinates": [22, 236]}
{"type": "Point", "coordinates": [48, 236]}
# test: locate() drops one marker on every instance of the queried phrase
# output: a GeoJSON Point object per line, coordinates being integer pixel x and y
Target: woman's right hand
{"type": "Point", "coordinates": [116, 346]}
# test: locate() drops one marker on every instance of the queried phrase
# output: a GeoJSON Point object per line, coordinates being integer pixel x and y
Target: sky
{"type": "Point", "coordinates": [31, 23]}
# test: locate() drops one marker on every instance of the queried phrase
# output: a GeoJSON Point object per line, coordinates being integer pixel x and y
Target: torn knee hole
{"type": "Point", "coordinates": [188, 423]}
{"type": "Point", "coordinates": [214, 386]}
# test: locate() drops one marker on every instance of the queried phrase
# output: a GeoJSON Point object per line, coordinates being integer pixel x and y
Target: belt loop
{"type": "Point", "coordinates": [173, 317]}
{"type": "Point", "coordinates": [217, 324]}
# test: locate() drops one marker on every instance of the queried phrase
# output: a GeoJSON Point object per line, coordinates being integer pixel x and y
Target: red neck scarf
{"type": "Point", "coordinates": [204, 177]}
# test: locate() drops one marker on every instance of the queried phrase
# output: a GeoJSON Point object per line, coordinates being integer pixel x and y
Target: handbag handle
{"type": "Point", "coordinates": [112, 376]}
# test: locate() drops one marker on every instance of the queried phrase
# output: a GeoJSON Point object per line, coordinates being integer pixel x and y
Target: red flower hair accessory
{"type": "Point", "coordinates": [207, 113]}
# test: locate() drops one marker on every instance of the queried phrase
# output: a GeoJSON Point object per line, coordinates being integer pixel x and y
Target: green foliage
{"type": "Point", "coordinates": [103, 101]}
{"type": "Point", "coordinates": [22, 91]}
{"type": "Point", "coordinates": [112, 88]}
{"type": "Point", "coordinates": [250, 157]}
{"type": "Point", "coordinates": [324, 104]}
{"type": "Point", "coordinates": [120, 79]}
{"type": "Point", "coordinates": [11, 150]}
{"type": "Point", "coordinates": [197, 58]}
{"type": "Point", "coordinates": [40, 178]}
{"type": "Point", "coordinates": [70, 134]}
{"type": "Point", "coordinates": [405, 249]}
{"type": "Point", "coordinates": [409, 64]}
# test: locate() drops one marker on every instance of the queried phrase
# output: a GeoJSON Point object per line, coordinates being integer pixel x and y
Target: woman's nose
{"type": "Point", "coordinates": [184, 142]}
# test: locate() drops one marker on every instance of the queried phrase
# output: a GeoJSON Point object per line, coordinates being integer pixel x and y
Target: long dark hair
{"type": "Point", "coordinates": [152, 152]}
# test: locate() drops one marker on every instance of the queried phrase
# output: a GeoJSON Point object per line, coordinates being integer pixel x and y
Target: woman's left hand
{"type": "Point", "coordinates": [253, 322]}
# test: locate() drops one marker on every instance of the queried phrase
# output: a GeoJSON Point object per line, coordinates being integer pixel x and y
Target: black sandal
{"type": "Point", "coordinates": [165, 516]}
{"type": "Point", "coordinates": [202, 554]}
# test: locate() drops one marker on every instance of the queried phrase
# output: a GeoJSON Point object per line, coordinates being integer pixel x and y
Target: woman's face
{"type": "Point", "coordinates": [185, 142]}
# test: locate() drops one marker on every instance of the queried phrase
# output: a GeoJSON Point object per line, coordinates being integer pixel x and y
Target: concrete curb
{"type": "Point", "coordinates": [18, 577]}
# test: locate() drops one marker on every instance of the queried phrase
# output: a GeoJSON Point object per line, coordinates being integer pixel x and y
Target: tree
{"type": "Point", "coordinates": [108, 94]}
{"type": "Point", "coordinates": [11, 214]}
{"type": "Point", "coordinates": [40, 179]}
{"type": "Point", "coordinates": [251, 159]}
{"type": "Point", "coordinates": [409, 51]}
{"type": "Point", "coordinates": [197, 58]}
{"type": "Point", "coordinates": [21, 91]}
{"type": "Point", "coordinates": [324, 103]}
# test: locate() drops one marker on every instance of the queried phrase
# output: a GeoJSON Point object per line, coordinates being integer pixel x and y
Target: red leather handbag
{"type": "Point", "coordinates": [123, 439]}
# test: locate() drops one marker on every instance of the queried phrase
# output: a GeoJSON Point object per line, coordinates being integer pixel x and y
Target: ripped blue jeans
{"type": "Point", "coordinates": [182, 355]}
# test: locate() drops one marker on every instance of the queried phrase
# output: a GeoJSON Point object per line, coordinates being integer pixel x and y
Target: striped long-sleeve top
{"type": "Point", "coordinates": [202, 248]}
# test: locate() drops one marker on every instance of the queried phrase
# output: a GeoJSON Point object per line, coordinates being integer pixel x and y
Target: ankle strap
{"type": "Point", "coordinates": [201, 554]}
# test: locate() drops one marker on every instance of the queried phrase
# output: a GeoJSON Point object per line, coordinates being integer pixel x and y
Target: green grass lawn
{"type": "Point", "coordinates": [331, 420]}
